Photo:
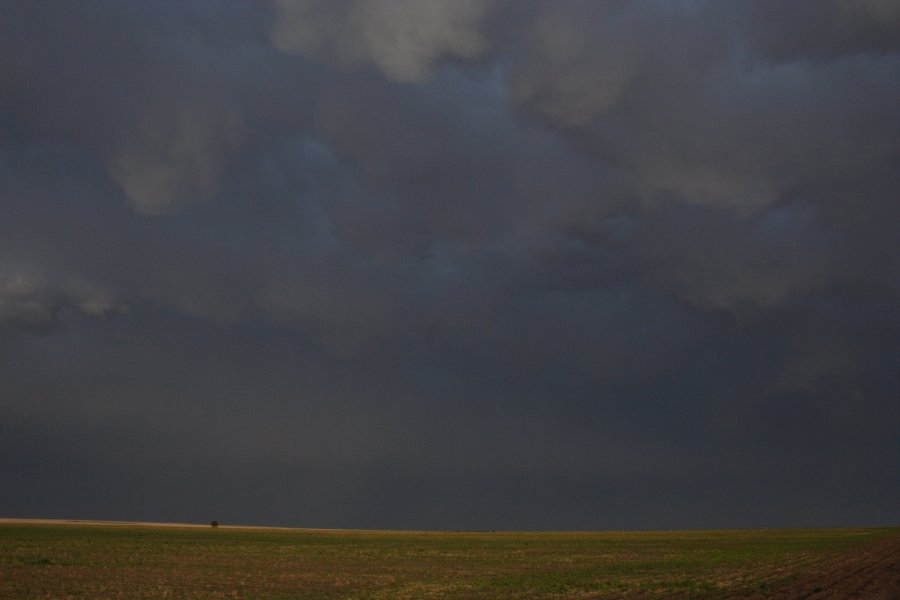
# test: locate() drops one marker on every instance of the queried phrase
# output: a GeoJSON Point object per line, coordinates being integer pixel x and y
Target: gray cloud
{"type": "Point", "coordinates": [175, 160]}
{"type": "Point", "coordinates": [405, 39]}
{"type": "Point", "coordinates": [35, 302]}
{"type": "Point", "coordinates": [822, 31]}
{"type": "Point", "coordinates": [571, 72]}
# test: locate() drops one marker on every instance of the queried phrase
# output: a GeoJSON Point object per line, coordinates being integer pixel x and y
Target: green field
{"type": "Point", "coordinates": [41, 560]}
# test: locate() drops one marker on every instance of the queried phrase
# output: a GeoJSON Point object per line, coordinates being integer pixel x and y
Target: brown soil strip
{"type": "Point", "coordinates": [871, 572]}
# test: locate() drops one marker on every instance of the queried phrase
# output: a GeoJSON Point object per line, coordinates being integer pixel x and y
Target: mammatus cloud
{"type": "Point", "coordinates": [405, 39]}
{"type": "Point", "coordinates": [34, 302]}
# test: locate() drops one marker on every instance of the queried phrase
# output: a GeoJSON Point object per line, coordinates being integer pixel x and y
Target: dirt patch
{"type": "Point", "coordinates": [871, 572]}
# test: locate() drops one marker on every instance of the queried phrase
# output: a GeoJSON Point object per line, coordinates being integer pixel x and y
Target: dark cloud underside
{"type": "Point", "coordinates": [451, 263]}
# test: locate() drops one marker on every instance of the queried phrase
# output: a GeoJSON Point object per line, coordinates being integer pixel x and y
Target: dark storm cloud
{"type": "Point", "coordinates": [821, 31]}
{"type": "Point", "coordinates": [462, 263]}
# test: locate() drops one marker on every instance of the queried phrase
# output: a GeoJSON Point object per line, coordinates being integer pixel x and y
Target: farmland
{"type": "Point", "coordinates": [93, 560]}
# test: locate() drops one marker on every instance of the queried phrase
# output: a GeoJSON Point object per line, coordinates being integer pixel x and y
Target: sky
{"type": "Point", "coordinates": [451, 264]}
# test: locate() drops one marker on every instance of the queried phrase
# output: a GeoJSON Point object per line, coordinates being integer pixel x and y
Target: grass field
{"type": "Point", "coordinates": [66, 560]}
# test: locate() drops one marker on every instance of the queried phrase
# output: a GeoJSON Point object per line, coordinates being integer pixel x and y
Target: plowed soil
{"type": "Point", "coordinates": [870, 572]}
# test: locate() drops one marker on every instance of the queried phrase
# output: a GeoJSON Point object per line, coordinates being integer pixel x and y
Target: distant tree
{"type": "Point", "coordinates": [214, 524]}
